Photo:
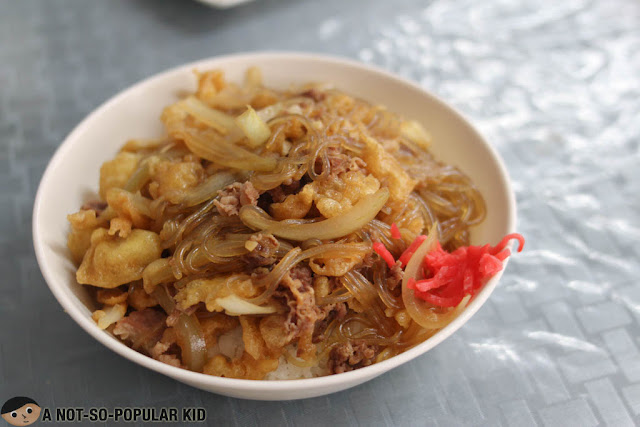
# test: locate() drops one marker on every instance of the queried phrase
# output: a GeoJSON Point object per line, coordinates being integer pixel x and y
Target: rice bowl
{"type": "Point", "coordinates": [76, 158]}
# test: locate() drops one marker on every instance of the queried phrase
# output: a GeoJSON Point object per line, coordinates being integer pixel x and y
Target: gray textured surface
{"type": "Point", "coordinates": [554, 85]}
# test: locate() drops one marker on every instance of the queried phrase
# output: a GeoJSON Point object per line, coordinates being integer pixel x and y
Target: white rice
{"type": "Point", "coordinates": [232, 346]}
{"type": "Point", "coordinates": [288, 371]}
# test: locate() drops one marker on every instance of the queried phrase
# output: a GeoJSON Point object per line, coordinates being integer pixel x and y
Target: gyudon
{"type": "Point", "coordinates": [279, 234]}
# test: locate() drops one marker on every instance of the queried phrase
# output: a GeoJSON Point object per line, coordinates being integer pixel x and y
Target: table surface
{"type": "Point", "coordinates": [554, 86]}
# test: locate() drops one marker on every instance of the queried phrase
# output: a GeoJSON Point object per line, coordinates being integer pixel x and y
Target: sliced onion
{"type": "Point", "coordinates": [225, 153]}
{"type": "Point", "coordinates": [208, 189]}
{"type": "Point", "coordinates": [235, 306]}
{"type": "Point", "coordinates": [421, 311]}
{"type": "Point", "coordinates": [139, 178]}
{"type": "Point", "coordinates": [164, 299]}
{"type": "Point", "coordinates": [338, 226]}
{"type": "Point", "coordinates": [191, 341]}
{"type": "Point", "coordinates": [188, 332]}
{"type": "Point", "coordinates": [218, 120]}
{"type": "Point", "coordinates": [415, 132]}
{"type": "Point", "coordinates": [218, 144]}
{"type": "Point", "coordinates": [264, 182]}
{"type": "Point", "coordinates": [254, 128]}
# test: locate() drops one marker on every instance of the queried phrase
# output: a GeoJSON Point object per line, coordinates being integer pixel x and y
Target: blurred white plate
{"type": "Point", "coordinates": [223, 4]}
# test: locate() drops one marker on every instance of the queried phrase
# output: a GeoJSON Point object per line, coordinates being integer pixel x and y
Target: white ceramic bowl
{"type": "Point", "coordinates": [72, 176]}
{"type": "Point", "coordinates": [223, 4]}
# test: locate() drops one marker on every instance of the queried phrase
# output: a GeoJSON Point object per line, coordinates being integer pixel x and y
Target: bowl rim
{"type": "Point", "coordinates": [65, 298]}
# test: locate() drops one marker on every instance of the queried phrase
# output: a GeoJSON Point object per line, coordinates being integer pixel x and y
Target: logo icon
{"type": "Point", "coordinates": [20, 411]}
